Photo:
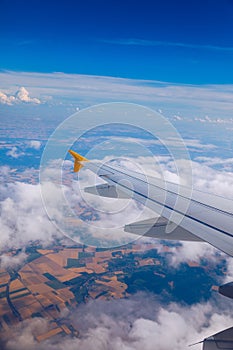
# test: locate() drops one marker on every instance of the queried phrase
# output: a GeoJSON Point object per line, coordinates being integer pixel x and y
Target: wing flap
{"type": "Point", "coordinates": [159, 228]}
{"type": "Point", "coordinates": [222, 340]}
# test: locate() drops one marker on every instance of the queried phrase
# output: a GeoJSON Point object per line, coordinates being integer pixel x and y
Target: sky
{"type": "Point", "coordinates": [176, 41]}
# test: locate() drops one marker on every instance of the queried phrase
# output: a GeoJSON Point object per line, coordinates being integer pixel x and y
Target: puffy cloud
{"type": "Point", "coordinates": [213, 181]}
{"type": "Point", "coordinates": [22, 95]}
{"type": "Point", "coordinates": [12, 261]}
{"type": "Point", "coordinates": [191, 251]}
{"type": "Point", "coordinates": [6, 99]}
{"type": "Point", "coordinates": [32, 223]}
{"type": "Point", "coordinates": [23, 218]}
{"type": "Point", "coordinates": [136, 323]}
{"type": "Point", "coordinates": [34, 144]}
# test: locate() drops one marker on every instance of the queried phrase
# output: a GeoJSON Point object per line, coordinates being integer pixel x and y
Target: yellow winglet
{"type": "Point", "coordinates": [77, 160]}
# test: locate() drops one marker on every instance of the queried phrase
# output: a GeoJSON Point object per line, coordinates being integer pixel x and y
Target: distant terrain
{"type": "Point", "coordinates": [64, 277]}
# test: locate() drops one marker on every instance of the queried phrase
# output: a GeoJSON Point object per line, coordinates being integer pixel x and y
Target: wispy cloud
{"type": "Point", "coordinates": [14, 152]}
{"type": "Point", "coordinates": [142, 42]}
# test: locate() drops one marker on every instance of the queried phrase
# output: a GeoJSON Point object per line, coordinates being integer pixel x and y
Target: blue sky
{"type": "Point", "coordinates": [176, 41]}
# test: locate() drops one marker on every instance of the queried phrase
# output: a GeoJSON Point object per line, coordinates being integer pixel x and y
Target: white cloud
{"type": "Point", "coordinates": [212, 100]}
{"type": "Point", "coordinates": [6, 99]}
{"type": "Point", "coordinates": [32, 223]}
{"type": "Point", "coordinates": [178, 117]}
{"type": "Point", "coordinates": [23, 218]}
{"type": "Point", "coordinates": [12, 261]}
{"type": "Point", "coordinates": [34, 144]}
{"type": "Point", "coordinates": [191, 251]}
{"type": "Point", "coordinates": [132, 324]}
{"type": "Point", "coordinates": [229, 272]}
{"type": "Point", "coordinates": [14, 152]}
{"type": "Point", "coordinates": [213, 181]}
{"type": "Point", "coordinates": [226, 164]}
{"type": "Point", "coordinates": [207, 119]}
{"type": "Point", "coordinates": [21, 95]}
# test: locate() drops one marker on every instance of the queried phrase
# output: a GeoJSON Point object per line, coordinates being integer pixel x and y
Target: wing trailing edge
{"type": "Point", "coordinates": [158, 228]}
{"type": "Point", "coordinates": [222, 340]}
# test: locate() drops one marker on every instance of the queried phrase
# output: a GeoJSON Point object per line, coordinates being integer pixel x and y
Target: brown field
{"type": "Point", "coordinates": [2, 289]}
{"type": "Point", "coordinates": [103, 255]}
{"type": "Point", "coordinates": [115, 287]}
{"type": "Point", "coordinates": [19, 293]}
{"type": "Point", "coordinates": [16, 284]}
{"type": "Point", "coordinates": [97, 268]}
{"type": "Point", "coordinates": [4, 307]}
{"type": "Point", "coordinates": [40, 288]}
{"type": "Point", "coordinates": [4, 277]}
{"type": "Point", "coordinates": [79, 270]}
{"type": "Point", "coordinates": [49, 334]}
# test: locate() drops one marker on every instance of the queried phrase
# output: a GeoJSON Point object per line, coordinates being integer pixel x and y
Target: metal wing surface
{"type": "Point", "coordinates": [183, 214]}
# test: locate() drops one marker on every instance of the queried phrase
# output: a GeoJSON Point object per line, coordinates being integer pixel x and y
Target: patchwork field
{"type": "Point", "coordinates": [58, 278]}
{"type": "Point", "coordinates": [63, 277]}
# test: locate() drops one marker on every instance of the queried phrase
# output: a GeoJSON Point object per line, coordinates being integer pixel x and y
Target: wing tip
{"type": "Point", "coordinates": [77, 156]}
{"type": "Point", "coordinates": [77, 159]}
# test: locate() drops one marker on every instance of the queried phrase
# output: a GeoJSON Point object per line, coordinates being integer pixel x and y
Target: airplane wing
{"type": "Point", "coordinates": [221, 340]}
{"type": "Point", "coordinates": [199, 217]}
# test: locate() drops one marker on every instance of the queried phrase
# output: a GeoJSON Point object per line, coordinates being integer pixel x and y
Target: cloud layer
{"type": "Point", "coordinates": [75, 90]}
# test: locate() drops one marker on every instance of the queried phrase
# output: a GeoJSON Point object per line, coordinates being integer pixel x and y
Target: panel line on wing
{"type": "Point", "coordinates": [180, 195]}
{"type": "Point", "coordinates": [179, 212]}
